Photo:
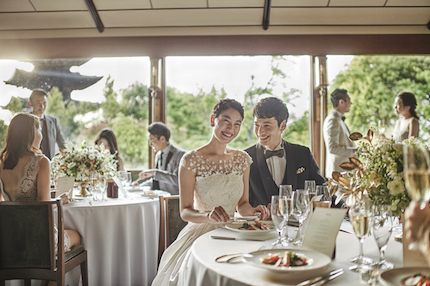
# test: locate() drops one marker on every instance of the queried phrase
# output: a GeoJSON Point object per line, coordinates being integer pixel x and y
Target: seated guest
{"type": "Point", "coordinates": [108, 139]}
{"type": "Point", "coordinates": [275, 161]}
{"type": "Point", "coordinates": [24, 170]}
{"type": "Point", "coordinates": [417, 227]}
{"type": "Point", "coordinates": [165, 175]}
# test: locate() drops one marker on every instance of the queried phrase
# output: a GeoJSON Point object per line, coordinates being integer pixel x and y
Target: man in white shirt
{"type": "Point", "coordinates": [275, 161]}
{"type": "Point", "coordinates": [165, 175]}
{"type": "Point", "coordinates": [339, 148]}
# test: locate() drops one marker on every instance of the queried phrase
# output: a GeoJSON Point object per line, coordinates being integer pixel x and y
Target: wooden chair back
{"type": "Point", "coordinates": [27, 244]}
{"type": "Point", "coordinates": [171, 222]}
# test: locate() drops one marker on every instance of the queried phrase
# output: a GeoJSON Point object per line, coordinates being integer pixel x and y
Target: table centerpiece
{"type": "Point", "coordinates": [377, 171]}
{"type": "Point", "coordinates": [82, 161]}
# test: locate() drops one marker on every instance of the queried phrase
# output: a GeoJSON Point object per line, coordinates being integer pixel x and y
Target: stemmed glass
{"type": "Point", "coordinates": [301, 206]}
{"type": "Point", "coordinates": [310, 187]}
{"type": "Point", "coordinates": [416, 174]}
{"type": "Point", "coordinates": [124, 177]}
{"type": "Point", "coordinates": [325, 201]}
{"type": "Point", "coordinates": [286, 193]}
{"type": "Point", "coordinates": [382, 229]}
{"type": "Point", "coordinates": [278, 209]}
{"type": "Point", "coordinates": [361, 219]}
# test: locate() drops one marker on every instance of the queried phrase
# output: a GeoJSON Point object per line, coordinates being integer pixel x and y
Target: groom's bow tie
{"type": "Point", "coordinates": [279, 153]}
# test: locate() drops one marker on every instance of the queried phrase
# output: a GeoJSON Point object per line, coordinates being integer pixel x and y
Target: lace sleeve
{"type": "Point", "coordinates": [244, 159]}
{"type": "Point", "coordinates": [189, 161]}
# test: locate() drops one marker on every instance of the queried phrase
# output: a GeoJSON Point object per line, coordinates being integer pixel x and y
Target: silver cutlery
{"type": "Point", "coordinates": [321, 278]}
{"type": "Point", "coordinates": [233, 238]}
{"type": "Point", "coordinates": [325, 280]}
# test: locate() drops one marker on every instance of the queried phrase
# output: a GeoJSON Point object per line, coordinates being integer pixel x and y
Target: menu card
{"type": "Point", "coordinates": [323, 229]}
{"type": "Point", "coordinates": [64, 185]}
{"type": "Point", "coordinates": [412, 258]}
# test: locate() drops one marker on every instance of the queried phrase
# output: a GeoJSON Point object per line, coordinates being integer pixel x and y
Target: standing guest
{"type": "Point", "coordinates": [417, 227]}
{"type": "Point", "coordinates": [24, 171]}
{"type": "Point", "coordinates": [407, 126]}
{"type": "Point", "coordinates": [108, 139]}
{"type": "Point", "coordinates": [339, 147]}
{"type": "Point", "coordinates": [275, 161]}
{"type": "Point", "coordinates": [165, 175]}
{"type": "Point", "coordinates": [50, 128]}
{"type": "Point", "coordinates": [213, 184]}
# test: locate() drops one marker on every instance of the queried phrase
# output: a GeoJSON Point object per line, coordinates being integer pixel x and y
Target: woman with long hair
{"type": "Point", "coordinates": [407, 126]}
{"type": "Point", "coordinates": [24, 170]}
{"type": "Point", "coordinates": [108, 139]}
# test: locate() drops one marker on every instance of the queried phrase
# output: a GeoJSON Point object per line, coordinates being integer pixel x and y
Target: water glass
{"type": "Point", "coordinates": [286, 192]}
{"type": "Point", "coordinates": [278, 210]}
{"type": "Point", "coordinates": [301, 206]}
{"type": "Point", "coordinates": [382, 229]}
{"type": "Point", "coordinates": [325, 201]}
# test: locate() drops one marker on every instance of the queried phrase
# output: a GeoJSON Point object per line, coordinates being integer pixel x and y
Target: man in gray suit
{"type": "Point", "coordinates": [50, 128]}
{"type": "Point", "coordinates": [339, 148]}
{"type": "Point", "coordinates": [165, 175]}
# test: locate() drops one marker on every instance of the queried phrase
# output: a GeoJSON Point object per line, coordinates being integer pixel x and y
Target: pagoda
{"type": "Point", "coordinates": [55, 72]}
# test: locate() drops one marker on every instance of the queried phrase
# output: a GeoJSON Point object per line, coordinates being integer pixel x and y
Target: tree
{"type": "Point", "coordinates": [373, 83]}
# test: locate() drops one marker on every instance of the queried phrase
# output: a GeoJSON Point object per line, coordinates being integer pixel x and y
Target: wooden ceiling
{"type": "Point", "coordinates": [50, 20]}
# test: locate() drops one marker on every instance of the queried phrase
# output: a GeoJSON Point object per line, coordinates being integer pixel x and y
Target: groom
{"type": "Point", "coordinates": [275, 161]}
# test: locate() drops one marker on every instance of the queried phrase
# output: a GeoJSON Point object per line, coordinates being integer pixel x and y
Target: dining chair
{"type": "Point", "coordinates": [27, 244]}
{"type": "Point", "coordinates": [171, 222]}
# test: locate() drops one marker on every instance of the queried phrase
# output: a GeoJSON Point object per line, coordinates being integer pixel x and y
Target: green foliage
{"type": "Point", "coordinates": [111, 106]}
{"type": "Point", "coordinates": [134, 101]}
{"type": "Point", "coordinates": [373, 83]}
{"type": "Point", "coordinates": [15, 105]}
{"type": "Point", "coordinates": [3, 130]}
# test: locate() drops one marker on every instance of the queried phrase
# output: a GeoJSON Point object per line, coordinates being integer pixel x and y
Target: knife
{"type": "Point", "coordinates": [233, 238]}
{"type": "Point", "coordinates": [319, 278]}
{"type": "Point", "coordinates": [325, 280]}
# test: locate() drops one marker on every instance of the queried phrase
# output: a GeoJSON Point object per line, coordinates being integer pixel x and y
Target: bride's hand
{"type": "Point", "coordinates": [264, 212]}
{"type": "Point", "coordinates": [218, 214]}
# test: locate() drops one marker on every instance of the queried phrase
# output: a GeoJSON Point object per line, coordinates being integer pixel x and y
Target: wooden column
{"type": "Point", "coordinates": [157, 94]}
{"type": "Point", "coordinates": [318, 108]}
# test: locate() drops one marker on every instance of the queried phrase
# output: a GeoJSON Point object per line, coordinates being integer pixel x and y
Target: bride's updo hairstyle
{"type": "Point", "coordinates": [19, 139]}
{"type": "Point", "coordinates": [225, 104]}
{"type": "Point", "coordinates": [408, 99]}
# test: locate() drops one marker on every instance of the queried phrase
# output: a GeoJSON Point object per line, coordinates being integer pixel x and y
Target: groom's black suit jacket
{"type": "Point", "coordinates": [301, 166]}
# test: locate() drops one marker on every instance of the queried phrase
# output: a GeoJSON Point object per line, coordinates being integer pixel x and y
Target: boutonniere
{"type": "Point", "coordinates": [300, 170]}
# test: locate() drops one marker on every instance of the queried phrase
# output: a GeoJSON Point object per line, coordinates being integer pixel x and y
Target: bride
{"type": "Point", "coordinates": [213, 183]}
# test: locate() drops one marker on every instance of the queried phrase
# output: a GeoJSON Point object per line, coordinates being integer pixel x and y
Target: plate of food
{"type": "Point", "coordinates": [287, 260]}
{"type": "Point", "coordinates": [252, 229]}
{"type": "Point", "coordinates": [406, 276]}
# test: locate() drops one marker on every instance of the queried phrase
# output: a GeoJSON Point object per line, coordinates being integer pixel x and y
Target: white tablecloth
{"type": "Point", "coordinates": [121, 237]}
{"type": "Point", "coordinates": [203, 270]}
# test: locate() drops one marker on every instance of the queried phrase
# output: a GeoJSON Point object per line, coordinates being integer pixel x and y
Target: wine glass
{"type": "Point", "coordinates": [382, 229]}
{"type": "Point", "coordinates": [310, 187]}
{"type": "Point", "coordinates": [278, 210]}
{"type": "Point", "coordinates": [361, 219]}
{"type": "Point", "coordinates": [301, 206]}
{"type": "Point", "coordinates": [325, 201]}
{"type": "Point", "coordinates": [286, 193]}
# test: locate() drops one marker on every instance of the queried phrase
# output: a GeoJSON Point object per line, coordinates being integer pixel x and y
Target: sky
{"type": "Point", "coordinates": [187, 74]}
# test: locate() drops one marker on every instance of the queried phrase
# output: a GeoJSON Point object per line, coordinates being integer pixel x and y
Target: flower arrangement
{"type": "Point", "coordinates": [377, 171]}
{"type": "Point", "coordinates": [80, 161]}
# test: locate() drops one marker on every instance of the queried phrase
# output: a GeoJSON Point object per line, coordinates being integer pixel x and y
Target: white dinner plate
{"type": "Point", "coordinates": [396, 276]}
{"type": "Point", "coordinates": [250, 233]}
{"type": "Point", "coordinates": [316, 260]}
{"type": "Point", "coordinates": [247, 218]}
{"type": "Point", "coordinates": [155, 194]}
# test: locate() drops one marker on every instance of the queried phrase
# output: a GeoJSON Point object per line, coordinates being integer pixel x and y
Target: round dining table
{"type": "Point", "coordinates": [202, 269]}
{"type": "Point", "coordinates": [120, 236]}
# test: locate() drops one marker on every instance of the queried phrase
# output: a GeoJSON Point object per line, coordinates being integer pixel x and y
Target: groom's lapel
{"type": "Point", "coordinates": [290, 177]}
{"type": "Point", "coordinates": [265, 175]}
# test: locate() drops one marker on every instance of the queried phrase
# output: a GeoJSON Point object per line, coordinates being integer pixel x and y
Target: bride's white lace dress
{"type": "Point", "coordinates": [218, 183]}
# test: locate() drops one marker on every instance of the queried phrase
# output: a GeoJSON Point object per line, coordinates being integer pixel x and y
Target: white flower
{"type": "Point", "coordinates": [396, 187]}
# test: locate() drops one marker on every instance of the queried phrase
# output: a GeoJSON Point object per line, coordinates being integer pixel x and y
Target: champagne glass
{"type": "Point", "coordinates": [416, 174]}
{"type": "Point", "coordinates": [361, 219]}
{"type": "Point", "coordinates": [382, 229]}
{"type": "Point", "coordinates": [310, 187]}
{"type": "Point", "coordinates": [278, 210]}
{"type": "Point", "coordinates": [286, 193]}
{"type": "Point", "coordinates": [301, 205]}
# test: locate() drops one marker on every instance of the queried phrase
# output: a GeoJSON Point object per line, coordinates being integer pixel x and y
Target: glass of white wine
{"type": "Point", "coordinates": [417, 174]}
{"type": "Point", "coordinates": [311, 189]}
{"type": "Point", "coordinates": [361, 219]}
{"type": "Point", "coordinates": [278, 210]}
{"type": "Point", "coordinates": [286, 193]}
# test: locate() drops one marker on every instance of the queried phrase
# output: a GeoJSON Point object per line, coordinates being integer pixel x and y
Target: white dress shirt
{"type": "Point", "coordinates": [277, 165]}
